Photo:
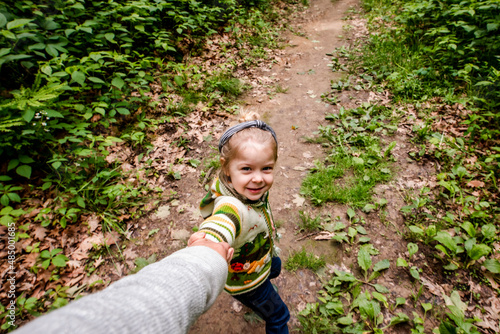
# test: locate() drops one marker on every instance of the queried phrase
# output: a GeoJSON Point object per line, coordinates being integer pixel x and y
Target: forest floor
{"type": "Point", "coordinates": [301, 70]}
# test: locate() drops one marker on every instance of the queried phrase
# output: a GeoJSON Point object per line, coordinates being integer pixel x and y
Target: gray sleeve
{"type": "Point", "coordinates": [164, 297]}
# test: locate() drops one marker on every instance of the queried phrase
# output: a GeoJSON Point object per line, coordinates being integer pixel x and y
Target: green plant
{"type": "Point", "coordinates": [308, 223]}
{"type": "Point", "coordinates": [302, 259]}
{"type": "Point", "coordinates": [459, 323]}
{"type": "Point", "coordinates": [53, 257]}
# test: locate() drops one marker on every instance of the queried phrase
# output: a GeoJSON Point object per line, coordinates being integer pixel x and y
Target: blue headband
{"type": "Point", "coordinates": [242, 126]}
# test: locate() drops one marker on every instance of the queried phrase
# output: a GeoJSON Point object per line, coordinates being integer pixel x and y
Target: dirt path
{"type": "Point", "coordinates": [294, 115]}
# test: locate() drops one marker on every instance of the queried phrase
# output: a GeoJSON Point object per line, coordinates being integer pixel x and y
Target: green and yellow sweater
{"type": "Point", "coordinates": [248, 228]}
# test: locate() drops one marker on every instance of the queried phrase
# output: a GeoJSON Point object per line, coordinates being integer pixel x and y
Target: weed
{"type": "Point", "coordinates": [309, 224]}
{"type": "Point", "coordinates": [302, 259]}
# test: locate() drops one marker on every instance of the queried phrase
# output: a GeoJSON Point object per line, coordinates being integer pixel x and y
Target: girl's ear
{"type": "Point", "coordinates": [223, 166]}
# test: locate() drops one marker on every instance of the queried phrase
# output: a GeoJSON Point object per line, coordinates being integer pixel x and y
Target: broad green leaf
{"type": "Point", "coordinates": [60, 260]}
{"type": "Point", "coordinates": [380, 297]}
{"type": "Point", "coordinates": [416, 230]}
{"type": "Point", "coordinates": [14, 197]}
{"type": "Point", "coordinates": [110, 37]}
{"type": "Point", "coordinates": [361, 230]}
{"type": "Point", "coordinates": [52, 50]}
{"type": "Point", "coordinates": [56, 164]}
{"type": "Point", "coordinates": [25, 159]}
{"type": "Point", "coordinates": [414, 272]}
{"type": "Point", "coordinates": [8, 34]}
{"type": "Point", "coordinates": [4, 200]}
{"type": "Point", "coordinates": [400, 301]}
{"type": "Point", "coordinates": [81, 202]}
{"type": "Point", "coordinates": [18, 23]}
{"type": "Point", "coordinates": [179, 81]}
{"type": "Point", "coordinates": [492, 265]}
{"type": "Point", "coordinates": [450, 266]}
{"type": "Point", "coordinates": [399, 318]}
{"type": "Point", "coordinates": [351, 213]}
{"type": "Point", "coordinates": [370, 308]}
{"type": "Point", "coordinates": [447, 327]}
{"type": "Point", "coordinates": [4, 51]}
{"type": "Point", "coordinates": [78, 77]}
{"type": "Point", "coordinates": [118, 82]}
{"type": "Point", "coordinates": [53, 113]}
{"type": "Point", "coordinates": [24, 170]}
{"type": "Point", "coordinates": [426, 306]}
{"type": "Point", "coordinates": [478, 251]}
{"type": "Point", "coordinates": [379, 266]}
{"type": "Point", "coordinates": [412, 249]}
{"type": "Point", "coordinates": [489, 231]}
{"type": "Point", "coordinates": [469, 228]}
{"type": "Point", "coordinates": [358, 161]}
{"type": "Point", "coordinates": [96, 80]}
{"type": "Point", "coordinates": [401, 262]}
{"type": "Point", "coordinates": [12, 164]}
{"type": "Point", "coordinates": [363, 240]}
{"type": "Point", "coordinates": [123, 111]}
{"type": "Point", "coordinates": [446, 240]}
{"type": "Point", "coordinates": [3, 20]}
{"type": "Point", "coordinates": [380, 288]}
{"type": "Point", "coordinates": [347, 320]}
{"type": "Point", "coordinates": [28, 114]}
{"type": "Point", "coordinates": [351, 232]}
{"type": "Point", "coordinates": [336, 306]}
{"type": "Point", "coordinates": [364, 259]}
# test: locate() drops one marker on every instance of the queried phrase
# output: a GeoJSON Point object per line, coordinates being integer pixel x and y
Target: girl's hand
{"type": "Point", "coordinates": [223, 248]}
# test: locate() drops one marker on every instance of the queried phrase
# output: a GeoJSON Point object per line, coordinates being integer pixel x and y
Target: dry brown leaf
{"type": "Point", "coordinates": [435, 289]}
{"type": "Point", "coordinates": [325, 236]}
{"type": "Point", "coordinates": [30, 259]}
{"type": "Point", "coordinates": [298, 200]}
{"type": "Point", "coordinates": [40, 232]}
{"type": "Point", "coordinates": [93, 223]}
{"type": "Point", "coordinates": [476, 184]}
{"type": "Point", "coordinates": [129, 253]}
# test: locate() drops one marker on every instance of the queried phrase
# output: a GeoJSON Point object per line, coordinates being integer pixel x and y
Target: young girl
{"type": "Point", "coordinates": [236, 211]}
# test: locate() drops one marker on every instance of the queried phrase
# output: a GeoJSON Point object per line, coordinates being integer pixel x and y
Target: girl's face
{"type": "Point", "coordinates": [251, 171]}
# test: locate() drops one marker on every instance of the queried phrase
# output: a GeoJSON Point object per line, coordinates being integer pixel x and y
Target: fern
{"type": "Point", "coordinates": [7, 124]}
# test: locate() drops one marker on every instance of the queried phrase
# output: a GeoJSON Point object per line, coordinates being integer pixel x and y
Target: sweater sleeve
{"type": "Point", "coordinates": [224, 225]}
{"type": "Point", "coordinates": [167, 296]}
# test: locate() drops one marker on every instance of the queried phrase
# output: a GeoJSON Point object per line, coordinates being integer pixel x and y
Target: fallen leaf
{"type": "Point", "coordinates": [98, 262]}
{"type": "Point", "coordinates": [163, 212]}
{"type": "Point", "coordinates": [93, 223]}
{"type": "Point", "coordinates": [129, 253]}
{"type": "Point", "coordinates": [476, 184]}
{"type": "Point", "coordinates": [433, 288]}
{"type": "Point", "coordinates": [298, 200]}
{"type": "Point", "coordinates": [40, 232]}
{"type": "Point", "coordinates": [325, 236]}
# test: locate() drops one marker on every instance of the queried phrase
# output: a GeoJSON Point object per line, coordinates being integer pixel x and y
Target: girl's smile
{"type": "Point", "coordinates": [251, 171]}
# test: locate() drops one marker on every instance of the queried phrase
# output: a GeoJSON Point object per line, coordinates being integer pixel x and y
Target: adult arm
{"type": "Point", "coordinates": [164, 297]}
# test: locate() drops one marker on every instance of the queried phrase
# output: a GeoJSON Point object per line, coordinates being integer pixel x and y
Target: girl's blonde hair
{"type": "Point", "coordinates": [231, 148]}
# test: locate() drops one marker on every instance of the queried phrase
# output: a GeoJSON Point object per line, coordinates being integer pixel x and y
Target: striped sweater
{"type": "Point", "coordinates": [248, 228]}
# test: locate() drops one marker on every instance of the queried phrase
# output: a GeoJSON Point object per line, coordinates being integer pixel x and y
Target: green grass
{"type": "Point", "coordinates": [303, 260]}
{"type": "Point", "coordinates": [309, 224]}
{"type": "Point", "coordinates": [347, 180]}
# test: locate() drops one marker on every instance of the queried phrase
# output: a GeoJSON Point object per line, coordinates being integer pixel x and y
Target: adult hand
{"type": "Point", "coordinates": [223, 248]}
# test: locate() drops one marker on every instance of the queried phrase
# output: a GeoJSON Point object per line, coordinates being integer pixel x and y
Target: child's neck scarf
{"type": "Point", "coordinates": [221, 187]}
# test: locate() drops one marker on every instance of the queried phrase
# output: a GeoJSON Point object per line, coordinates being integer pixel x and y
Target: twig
{"type": "Point", "coordinates": [207, 176]}
{"type": "Point", "coordinates": [308, 235]}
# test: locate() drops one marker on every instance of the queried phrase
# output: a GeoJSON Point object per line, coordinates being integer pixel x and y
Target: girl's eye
{"type": "Point", "coordinates": [246, 168]}
{"type": "Point", "coordinates": [268, 168]}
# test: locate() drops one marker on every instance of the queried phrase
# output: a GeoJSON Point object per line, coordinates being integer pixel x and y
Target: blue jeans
{"type": "Point", "coordinates": [267, 303]}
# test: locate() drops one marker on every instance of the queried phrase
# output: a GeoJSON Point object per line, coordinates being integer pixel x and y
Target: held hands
{"type": "Point", "coordinates": [223, 248]}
